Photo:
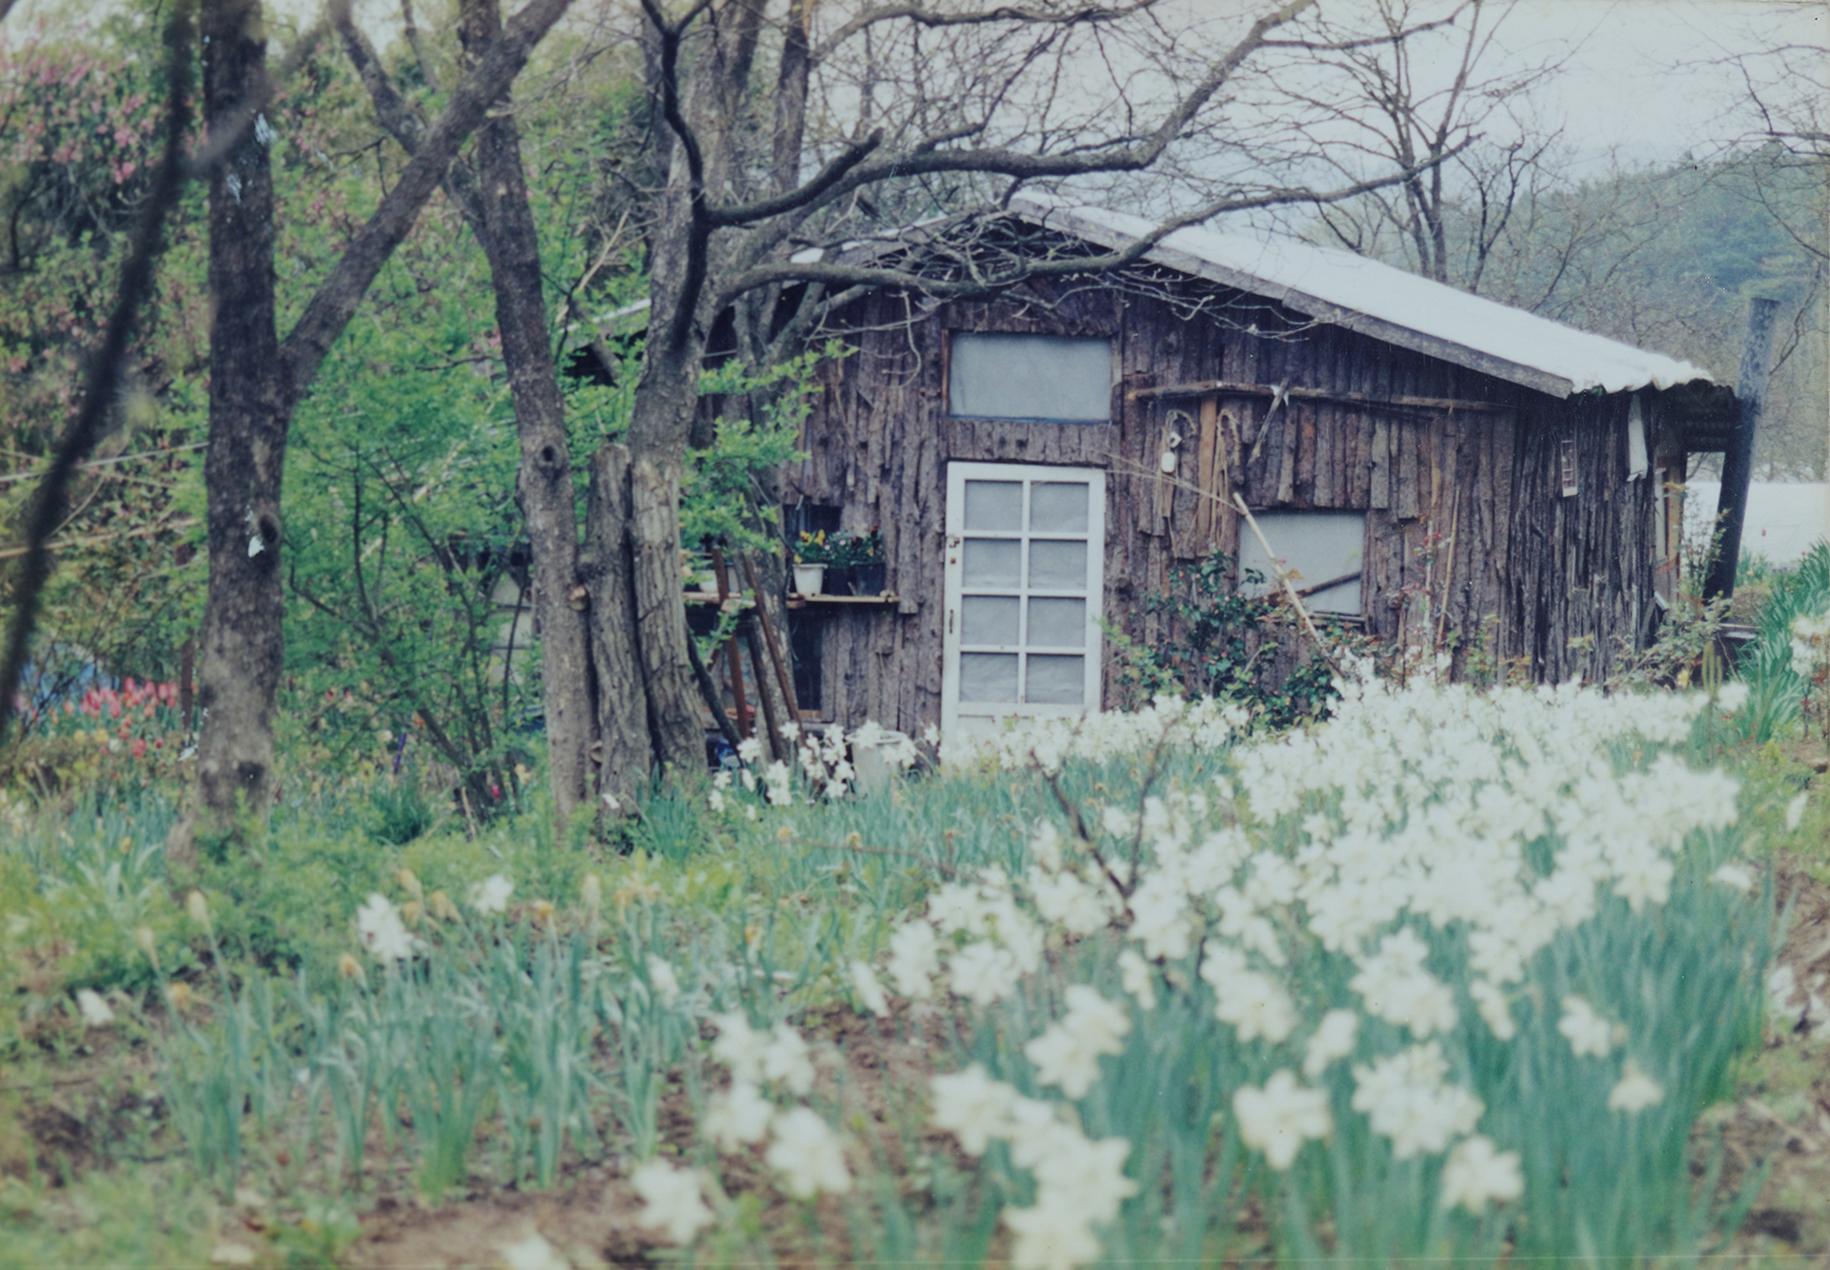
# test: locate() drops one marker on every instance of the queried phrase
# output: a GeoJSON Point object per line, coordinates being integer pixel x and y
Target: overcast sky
{"type": "Point", "coordinates": [1636, 79]}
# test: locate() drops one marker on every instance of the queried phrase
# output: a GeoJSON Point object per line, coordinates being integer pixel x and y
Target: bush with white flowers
{"type": "Point", "coordinates": [1439, 976]}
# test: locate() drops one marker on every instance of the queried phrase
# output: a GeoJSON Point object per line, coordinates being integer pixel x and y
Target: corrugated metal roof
{"type": "Point", "coordinates": [1386, 304]}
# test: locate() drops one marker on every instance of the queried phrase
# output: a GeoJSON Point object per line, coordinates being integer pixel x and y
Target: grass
{"type": "Point", "coordinates": [262, 1067]}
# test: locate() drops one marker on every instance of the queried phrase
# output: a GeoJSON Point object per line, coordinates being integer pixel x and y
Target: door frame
{"type": "Point", "coordinates": [957, 474]}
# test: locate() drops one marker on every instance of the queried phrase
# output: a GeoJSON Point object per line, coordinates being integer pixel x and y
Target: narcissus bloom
{"type": "Point", "coordinates": [1478, 1174]}
{"type": "Point", "coordinates": [1278, 1118]}
{"type": "Point", "coordinates": [673, 1201]}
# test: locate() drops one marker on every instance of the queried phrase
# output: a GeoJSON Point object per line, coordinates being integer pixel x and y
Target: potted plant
{"type": "Point", "coordinates": [812, 554]}
{"type": "Point", "coordinates": [864, 553]}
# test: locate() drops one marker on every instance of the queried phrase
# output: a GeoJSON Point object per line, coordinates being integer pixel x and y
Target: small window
{"type": "Point", "coordinates": [1042, 378]}
{"type": "Point", "coordinates": [1324, 552]}
{"type": "Point", "coordinates": [1566, 466]}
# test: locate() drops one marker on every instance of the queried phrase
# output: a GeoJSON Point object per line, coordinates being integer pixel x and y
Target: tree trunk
{"type": "Point", "coordinates": [638, 628]}
{"type": "Point", "coordinates": [624, 749]}
{"type": "Point", "coordinates": [242, 648]}
{"type": "Point", "coordinates": [667, 673]}
{"type": "Point", "coordinates": [544, 483]}
{"type": "Point", "coordinates": [256, 382]}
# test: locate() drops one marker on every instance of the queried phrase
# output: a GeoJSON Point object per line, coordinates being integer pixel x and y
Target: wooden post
{"type": "Point", "coordinates": [778, 745]}
{"type": "Point", "coordinates": [1738, 456]}
{"type": "Point", "coordinates": [745, 724]}
{"type": "Point", "coordinates": [775, 653]}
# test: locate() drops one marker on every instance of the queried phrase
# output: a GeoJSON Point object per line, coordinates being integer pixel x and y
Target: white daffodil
{"type": "Point", "coordinates": [739, 1046]}
{"type": "Point", "coordinates": [673, 1200]}
{"type": "Point", "coordinates": [380, 930]}
{"type": "Point", "coordinates": [1635, 1091]}
{"type": "Point", "coordinates": [664, 981]}
{"type": "Point", "coordinates": [1044, 1237]}
{"type": "Point", "coordinates": [808, 1154]}
{"type": "Point", "coordinates": [914, 959]}
{"type": "Point", "coordinates": [786, 1060]}
{"type": "Point", "coordinates": [1734, 877]}
{"type": "Point", "coordinates": [972, 1106]}
{"type": "Point", "coordinates": [738, 1116]}
{"type": "Point", "coordinates": [1333, 1040]}
{"type": "Point", "coordinates": [1477, 1174]}
{"type": "Point", "coordinates": [1279, 1117]}
{"type": "Point", "coordinates": [868, 990]}
{"type": "Point", "coordinates": [1067, 1054]}
{"type": "Point", "coordinates": [491, 894]}
{"type": "Point", "coordinates": [1589, 1033]}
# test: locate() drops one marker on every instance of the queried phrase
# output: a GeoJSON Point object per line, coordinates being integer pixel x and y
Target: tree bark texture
{"type": "Point", "coordinates": [544, 481]}
{"type": "Point", "coordinates": [242, 643]}
{"type": "Point", "coordinates": [623, 750]}
{"type": "Point", "coordinates": [654, 524]}
{"type": "Point", "coordinates": [256, 381]}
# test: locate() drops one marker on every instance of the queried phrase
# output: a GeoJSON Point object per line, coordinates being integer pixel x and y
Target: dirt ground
{"type": "Point", "coordinates": [1780, 1121]}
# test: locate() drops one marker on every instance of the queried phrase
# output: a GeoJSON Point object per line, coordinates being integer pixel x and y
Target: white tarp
{"type": "Point", "coordinates": [1784, 518]}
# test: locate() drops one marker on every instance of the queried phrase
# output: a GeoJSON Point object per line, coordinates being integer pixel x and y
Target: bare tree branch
{"type": "Point", "coordinates": [331, 306]}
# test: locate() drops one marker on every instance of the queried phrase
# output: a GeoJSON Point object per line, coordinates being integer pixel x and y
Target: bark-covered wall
{"type": "Point", "coordinates": [1467, 529]}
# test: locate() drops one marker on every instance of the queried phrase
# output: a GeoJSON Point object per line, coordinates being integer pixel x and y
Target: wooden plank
{"type": "Point", "coordinates": [1407, 401]}
{"type": "Point", "coordinates": [1206, 479]}
{"type": "Point", "coordinates": [1286, 466]}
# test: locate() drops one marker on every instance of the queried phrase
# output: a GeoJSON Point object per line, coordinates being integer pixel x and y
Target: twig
{"type": "Point", "coordinates": [1072, 810]}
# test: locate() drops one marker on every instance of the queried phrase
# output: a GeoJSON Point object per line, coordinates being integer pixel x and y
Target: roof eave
{"type": "Point", "coordinates": [1315, 307]}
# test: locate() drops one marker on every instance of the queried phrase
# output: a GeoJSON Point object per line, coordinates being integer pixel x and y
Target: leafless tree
{"type": "Point", "coordinates": [784, 131]}
{"type": "Point", "coordinates": [1404, 83]}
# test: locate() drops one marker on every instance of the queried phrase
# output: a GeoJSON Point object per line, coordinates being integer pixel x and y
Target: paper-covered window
{"type": "Point", "coordinates": [1039, 378]}
{"type": "Point", "coordinates": [1323, 552]}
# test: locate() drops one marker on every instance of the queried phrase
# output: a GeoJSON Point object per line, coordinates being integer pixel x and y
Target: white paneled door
{"type": "Point", "coordinates": [1025, 556]}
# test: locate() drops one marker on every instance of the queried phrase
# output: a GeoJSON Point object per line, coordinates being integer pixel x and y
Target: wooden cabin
{"type": "Point", "coordinates": [1039, 463]}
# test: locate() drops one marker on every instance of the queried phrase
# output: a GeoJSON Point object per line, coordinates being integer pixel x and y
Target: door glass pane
{"type": "Point", "coordinates": [994, 505]}
{"type": "Point", "coordinates": [1056, 680]}
{"type": "Point", "coordinates": [989, 619]}
{"type": "Point", "coordinates": [988, 677]}
{"type": "Point", "coordinates": [1058, 566]}
{"type": "Point", "coordinates": [990, 562]}
{"type": "Point", "coordinates": [1055, 623]}
{"type": "Point", "coordinates": [1058, 507]}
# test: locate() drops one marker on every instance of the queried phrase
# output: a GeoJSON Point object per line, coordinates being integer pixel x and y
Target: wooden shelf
{"type": "Point", "coordinates": [798, 601]}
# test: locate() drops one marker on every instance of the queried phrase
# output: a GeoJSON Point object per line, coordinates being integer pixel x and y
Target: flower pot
{"type": "Point", "coordinates": [809, 578]}
{"type": "Point", "coordinates": [841, 579]}
{"type": "Point", "coordinates": [870, 578]}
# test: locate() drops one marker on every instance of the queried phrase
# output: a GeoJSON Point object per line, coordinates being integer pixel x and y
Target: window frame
{"type": "Point", "coordinates": [1356, 614]}
{"type": "Point", "coordinates": [1108, 338]}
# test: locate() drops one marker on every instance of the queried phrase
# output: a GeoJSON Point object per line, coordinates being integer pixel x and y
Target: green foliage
{"type": "Point", "coordinates": [1222, 642]}
{"type": "Point", "coordinates": [1776, 690]}
{"type": "Point", "coordinates": [724, 502]}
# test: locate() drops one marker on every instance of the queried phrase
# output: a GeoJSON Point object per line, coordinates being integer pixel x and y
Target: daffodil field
{"type": "Point", "coordinates": [1455, 974]}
